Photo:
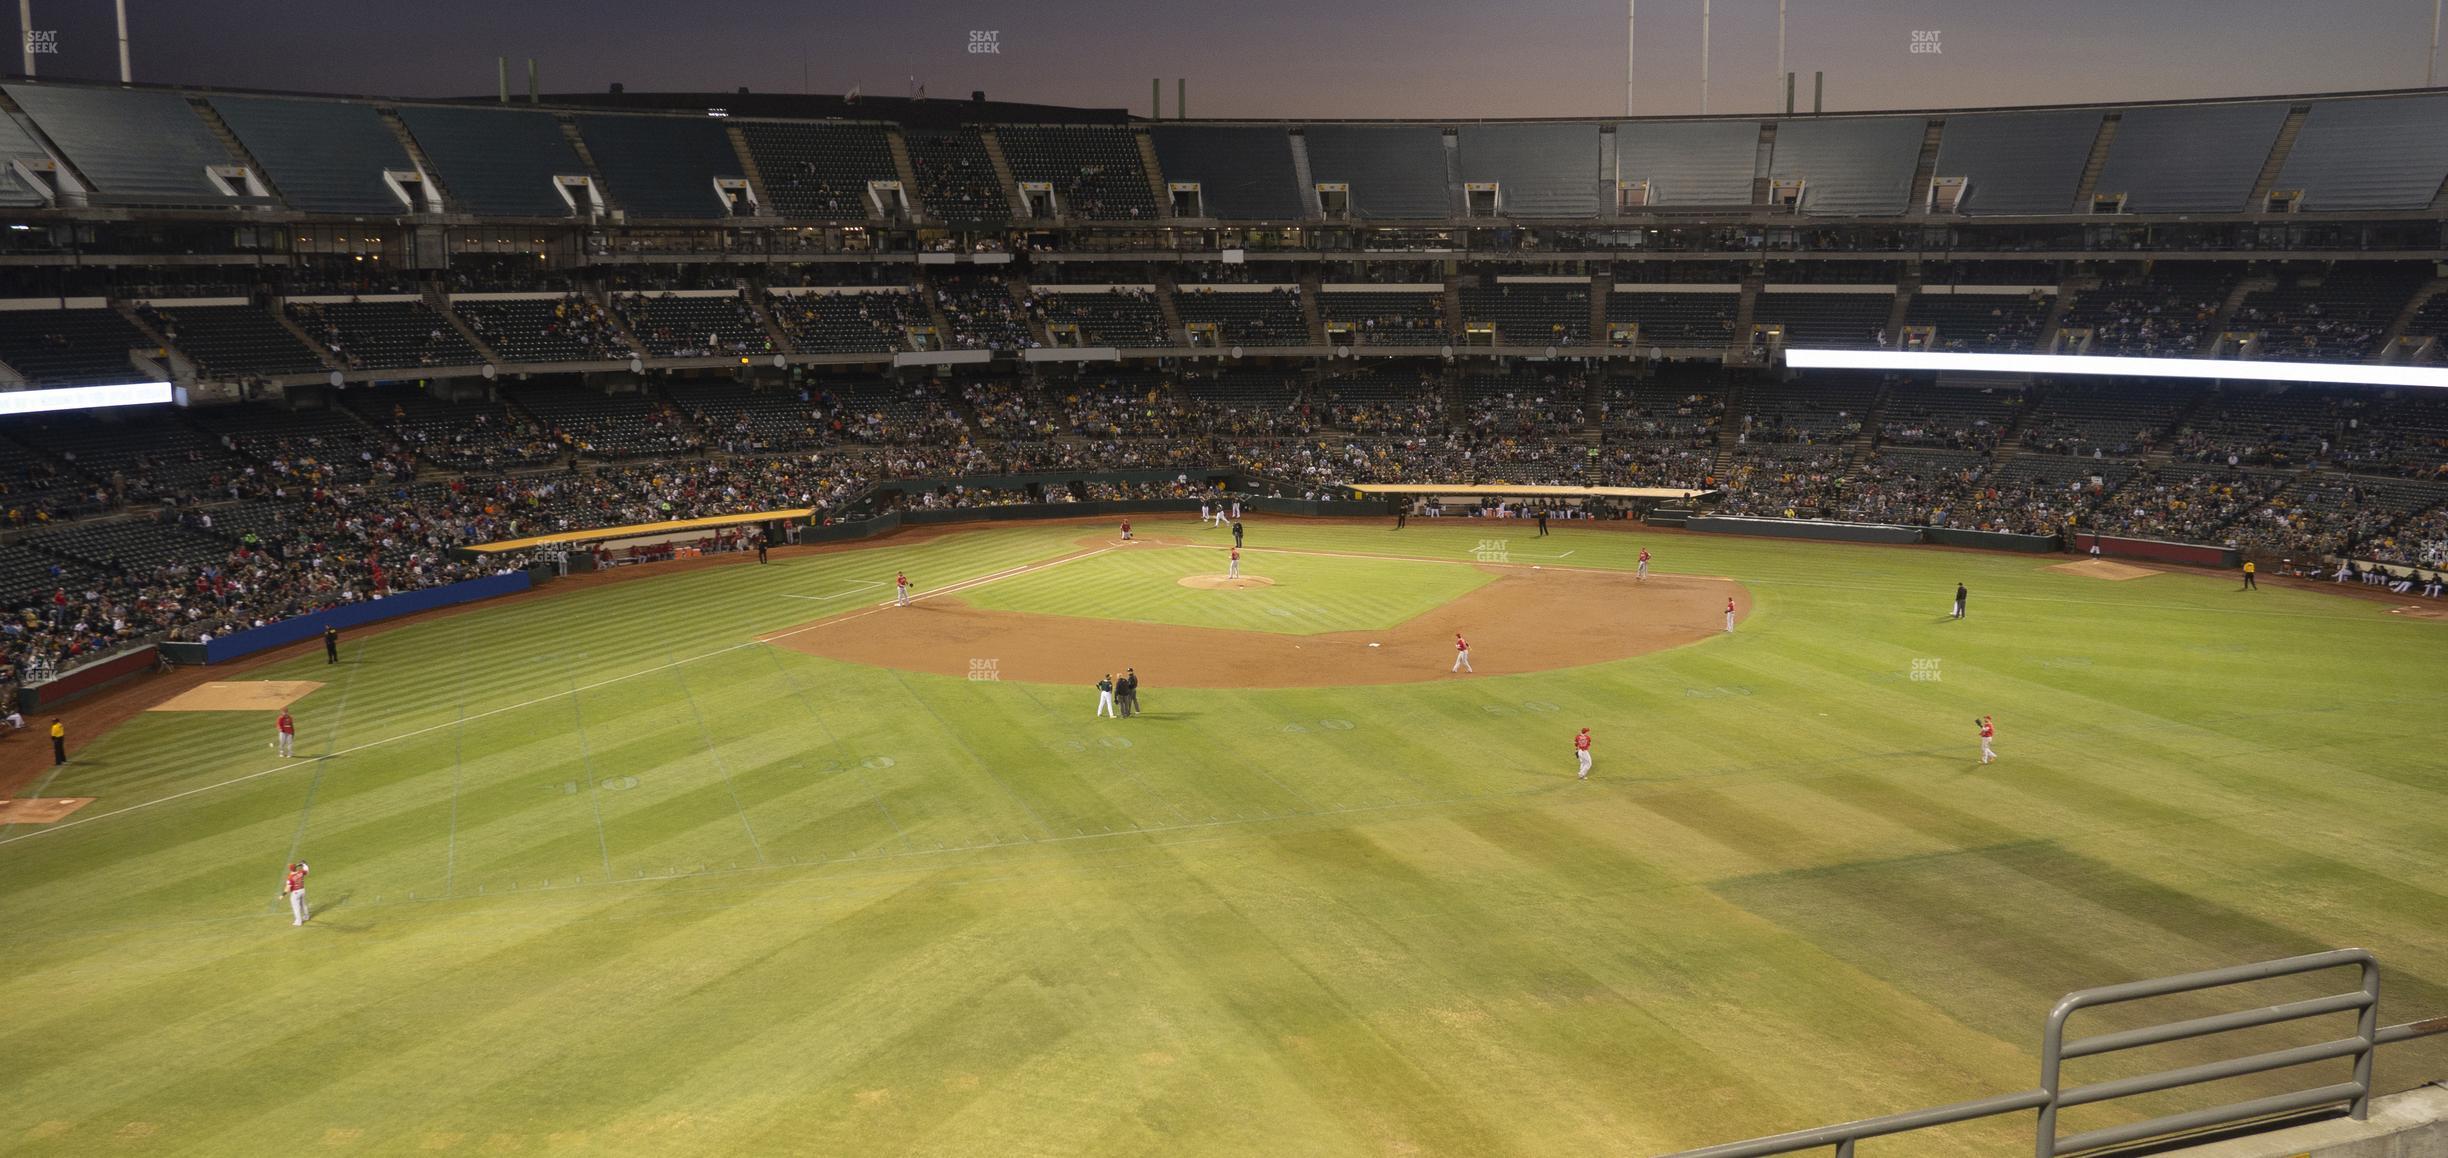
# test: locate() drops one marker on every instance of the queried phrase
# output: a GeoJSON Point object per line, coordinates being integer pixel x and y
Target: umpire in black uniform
{"type": "Point", "coordinates": [331, 645]}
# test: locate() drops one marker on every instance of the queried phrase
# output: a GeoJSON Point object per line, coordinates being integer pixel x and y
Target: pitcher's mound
{"type": "Point", "coordinates": [1220, 583]}
{"type": "Point", "coordinates": [239, 696]}
{"type": "Point", "coordinates": [2104, 569]}
{"type": "Point", "coordinates": [40, 810]}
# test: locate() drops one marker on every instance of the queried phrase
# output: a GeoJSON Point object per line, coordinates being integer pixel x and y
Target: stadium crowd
{"type": "Point", "coordinates": [251, 516]}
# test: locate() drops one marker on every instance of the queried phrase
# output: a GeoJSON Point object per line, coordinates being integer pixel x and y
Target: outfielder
{"type": "Point", "coordinates": [1461, 653]}
{"type": "Point", "coordinates": [293, 887]}
{"type": "Point", "coordinates": [1642, 575]}
{"type": "Point", "coordinates": [1729, 615]}
{"type": "Point", "coordinates": [1581, 750]}
{"type": "Point", "coordinates": [287, 729]}
{"type": "Point", "coordinates": [1988, 732]}
{"type": "Point", "coordinates": [1232, 566]}
{"type": "Point", "coordinates": [901, 588]}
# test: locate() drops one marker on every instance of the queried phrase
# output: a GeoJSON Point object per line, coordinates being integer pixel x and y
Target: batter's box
{"type": "Point", "coordinates": [239, 696]}
{"type": "Point", "coordinates": [41, 809]}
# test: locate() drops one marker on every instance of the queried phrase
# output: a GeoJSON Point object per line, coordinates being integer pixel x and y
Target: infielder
{"type": "Point", "coordinates": [1729, 615]}
{"type": "Point", "coordinates": [901, 588]}
{"type": "Point", "coordinates": [293, 887]}
{"type": "Point", "coordinates": [1461, 653]}
{"type": "Point", "coordinates": [1126, 530]}
{"type": "Point", "coordinates": [1232, 566]}
{"type": "Point", "coordinates": [1988, 732]}
{"type": "Point", "coordinates": [1581, 750]}
{"type": "Point", "coordinates": [1105, 704]}
{"type": "Point", "coordinates": [1642, 575]}
{"type": "Point", "coordinates": [287, 731]}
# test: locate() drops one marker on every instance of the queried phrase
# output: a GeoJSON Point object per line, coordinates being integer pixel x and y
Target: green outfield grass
{"type": "Point", "coordinates": [1311, 593]}
{"type": "Point", "coordinates": [598, 873]}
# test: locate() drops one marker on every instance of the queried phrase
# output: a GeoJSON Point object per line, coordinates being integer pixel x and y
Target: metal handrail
{"type": "Point", "coordinates": [2048, 1098]}
{"type": "Point", "coordinates": [2052, 1040]}
{"type": "Point", "coordinates": [1843, 1135]}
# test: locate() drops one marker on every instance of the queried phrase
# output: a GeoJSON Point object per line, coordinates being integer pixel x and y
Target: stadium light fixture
{"type": "Point", "coordinates": [2098, 365]}
{"type": "Point", "coordinates": [84, 397]}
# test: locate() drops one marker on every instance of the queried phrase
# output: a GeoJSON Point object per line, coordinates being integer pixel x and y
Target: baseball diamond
{"type": "Point", "coordinates": [1507, 590]}
{"type": "Point", "coordinates": [608, 835]}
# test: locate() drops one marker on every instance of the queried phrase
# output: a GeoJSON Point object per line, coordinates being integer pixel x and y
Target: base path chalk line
{"type": "Point", "coordinates": [851, 590]}
{"type": "Point", "coordinates": [950, 589]}
{"type": "Point", "coordinates": [411, 734]}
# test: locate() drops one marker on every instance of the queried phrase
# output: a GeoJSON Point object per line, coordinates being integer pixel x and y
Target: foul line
{"type": "Point", "coordinates": [574, 689]}
{"type": "Point", "coordinates": [951, 589]}
{"type": "Point", "coordinates": [851, 590]}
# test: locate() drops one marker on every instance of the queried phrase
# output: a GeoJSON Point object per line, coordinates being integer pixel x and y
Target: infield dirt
{"type": "Point", "coordinates": [1526, 620]}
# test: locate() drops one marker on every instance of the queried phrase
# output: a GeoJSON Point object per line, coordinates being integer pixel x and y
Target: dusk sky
{"type": "Point", "coordinates": [1274, 58]}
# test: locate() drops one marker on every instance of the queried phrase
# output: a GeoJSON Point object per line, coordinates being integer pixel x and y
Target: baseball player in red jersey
{"type": "Point", "coordinates": [1126, 530]}
{"type": "Point", "coordinates": [1729, 615]}
{"type": "Point", "coordinates": [1232, 566]}
{"type": "Point", "coordinates": [288, 734]}
{"type": "Point", "coordinates": [1642, 575]}
{"type": "Point", "coordinates": [1581, 750]}
{"type": "Point", "coordinates": [1461, 653]}
{"type": "Point", "coordinates": [293, 887]}
{"type": "Point", "coordinates": [1988, 730]}
{"type": "Point", "coordinates": [901, 588]}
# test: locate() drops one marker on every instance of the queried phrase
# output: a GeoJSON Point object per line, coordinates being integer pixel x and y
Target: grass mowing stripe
{"type": "Point", "coordinates": [450, 849]}
{"type": "Point", "coordinates": [963, 743]}
{"type": "Point", "coordinates": [594, 800]}
{"type": "Point", "coordinates": [874, 790]}
{"type": "Point", "coordinates": [331, 740]}
{"type": "Point", "coordinates": [1123, 760]}
{"type": "Point", "coordinates": [720, 764]}
{"type": "Point", "coordinates": [593, 613]}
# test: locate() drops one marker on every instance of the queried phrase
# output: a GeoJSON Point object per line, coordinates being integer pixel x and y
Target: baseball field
{"type": "Point", "coordinates": [737, 859]}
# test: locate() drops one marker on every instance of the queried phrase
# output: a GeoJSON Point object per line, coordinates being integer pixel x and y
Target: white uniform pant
{"type": "Point", "coordinates": [1232, 570]}
{"type": "Point", "coordinates": [297, 907]}
{"type": "Point", "coordinates": [901, 596]}
{"type": "Point", "coordinates": [1584, 754]}
{"type": "Point", "coordinates": [1462, 660]}
{"type": "Point", "coordinates": [1643, 573]}
{"type": "Point", "coordinates": [288, 743]}
{"type": "Point", "coordinates": [1729, 623]}
{"type": "Point", "coordinates": [1987, 753]}
{"type": "Point", "coordinates": [1105, 705]}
